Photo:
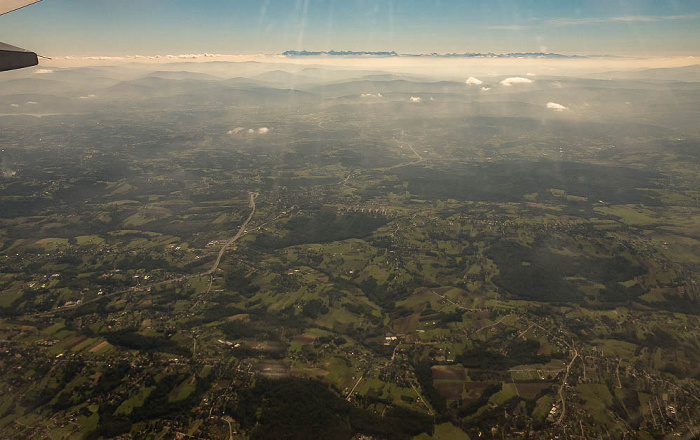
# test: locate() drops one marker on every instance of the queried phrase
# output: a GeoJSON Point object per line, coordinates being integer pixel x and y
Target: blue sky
{"type": "Point", "coordinates": [149, 27]}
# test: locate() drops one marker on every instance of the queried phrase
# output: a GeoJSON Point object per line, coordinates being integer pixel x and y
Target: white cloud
{"type": "Point", "coordinates": [485, 89]}
{"type": "Point", "coordinates": [471, 81]}
{"type": "Point", "coordinates": [14, 105]}
{"type": "Point", "coordinates": [618, 19]}
{"type": "Point", "coordinates": [531, 74]}
{"type": "Point", "coordinates": [556, 107]}
{"type": "Point", "coordinates": [508, 27]}
{"type": "Point", "coordinates": [87, 97]}
{"type": "Point", "coordinates": [415, 99]}
{"type": "Point", "coordinates": [371, 95]}
{"type": "Point", "coordinates": [237, 130]}
{"type": "Point", "coordinates": [43, 71]}
{"type": "Point", "coordinates": [192, 56]}
{"type": "Point", "coordinates": [515, 80]}
{"type": "Point", "coordinates": [31, 103]}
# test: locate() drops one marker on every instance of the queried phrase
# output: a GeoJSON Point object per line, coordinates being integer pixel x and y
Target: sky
{"type": "Point", "coordinates": [160, 27]}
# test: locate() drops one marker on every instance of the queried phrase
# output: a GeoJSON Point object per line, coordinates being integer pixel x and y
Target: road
{"type": "Point", "coordinates": [430, 411]}
{"type": "Point", "coordinates": [228, 420]}
{"type": "Point", "coordinates": [238, 235]}
{"type": "Point", "coordinates": [563, 384]}
{"type": "Point", "coordinates": [353, 388]}
{"type": "Point", "coordinates": [494, 324]}
{"type": "Point", "coordinates": [520, 335]}
{"type": "Point", "coordinates": [393, 354]}
{"type": "Point", "coordinates": [454, 303]}
{"type": "Point", "coordinates": [418, 160]}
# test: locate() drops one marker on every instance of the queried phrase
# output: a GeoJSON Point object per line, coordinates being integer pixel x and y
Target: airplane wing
{"type": "Point", "coordinates": [12, 57]}
{"type": "Point", "coordinates": [12, 5]}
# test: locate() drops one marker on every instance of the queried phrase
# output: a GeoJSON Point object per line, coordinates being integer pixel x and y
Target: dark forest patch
{"type": "Point", "coordinates": [136, 341]}
{"type": "Point", "coordinates": [322, 227]}
{"type": "Point", "coordinates": [301, 409]}
{"type": "Point", "coordinates": [543, 278]}
{"type": "Point", "coordinates": [511, 181]}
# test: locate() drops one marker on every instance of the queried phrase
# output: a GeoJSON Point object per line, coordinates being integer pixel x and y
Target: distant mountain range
{"type": "Point", "coordinates": [303, 53]}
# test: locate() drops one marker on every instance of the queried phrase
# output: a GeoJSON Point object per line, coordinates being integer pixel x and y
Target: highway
{"type": "Point", "coordinates": [238, 235]}
{"type": "Point", "coordinates": [561, 388]}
